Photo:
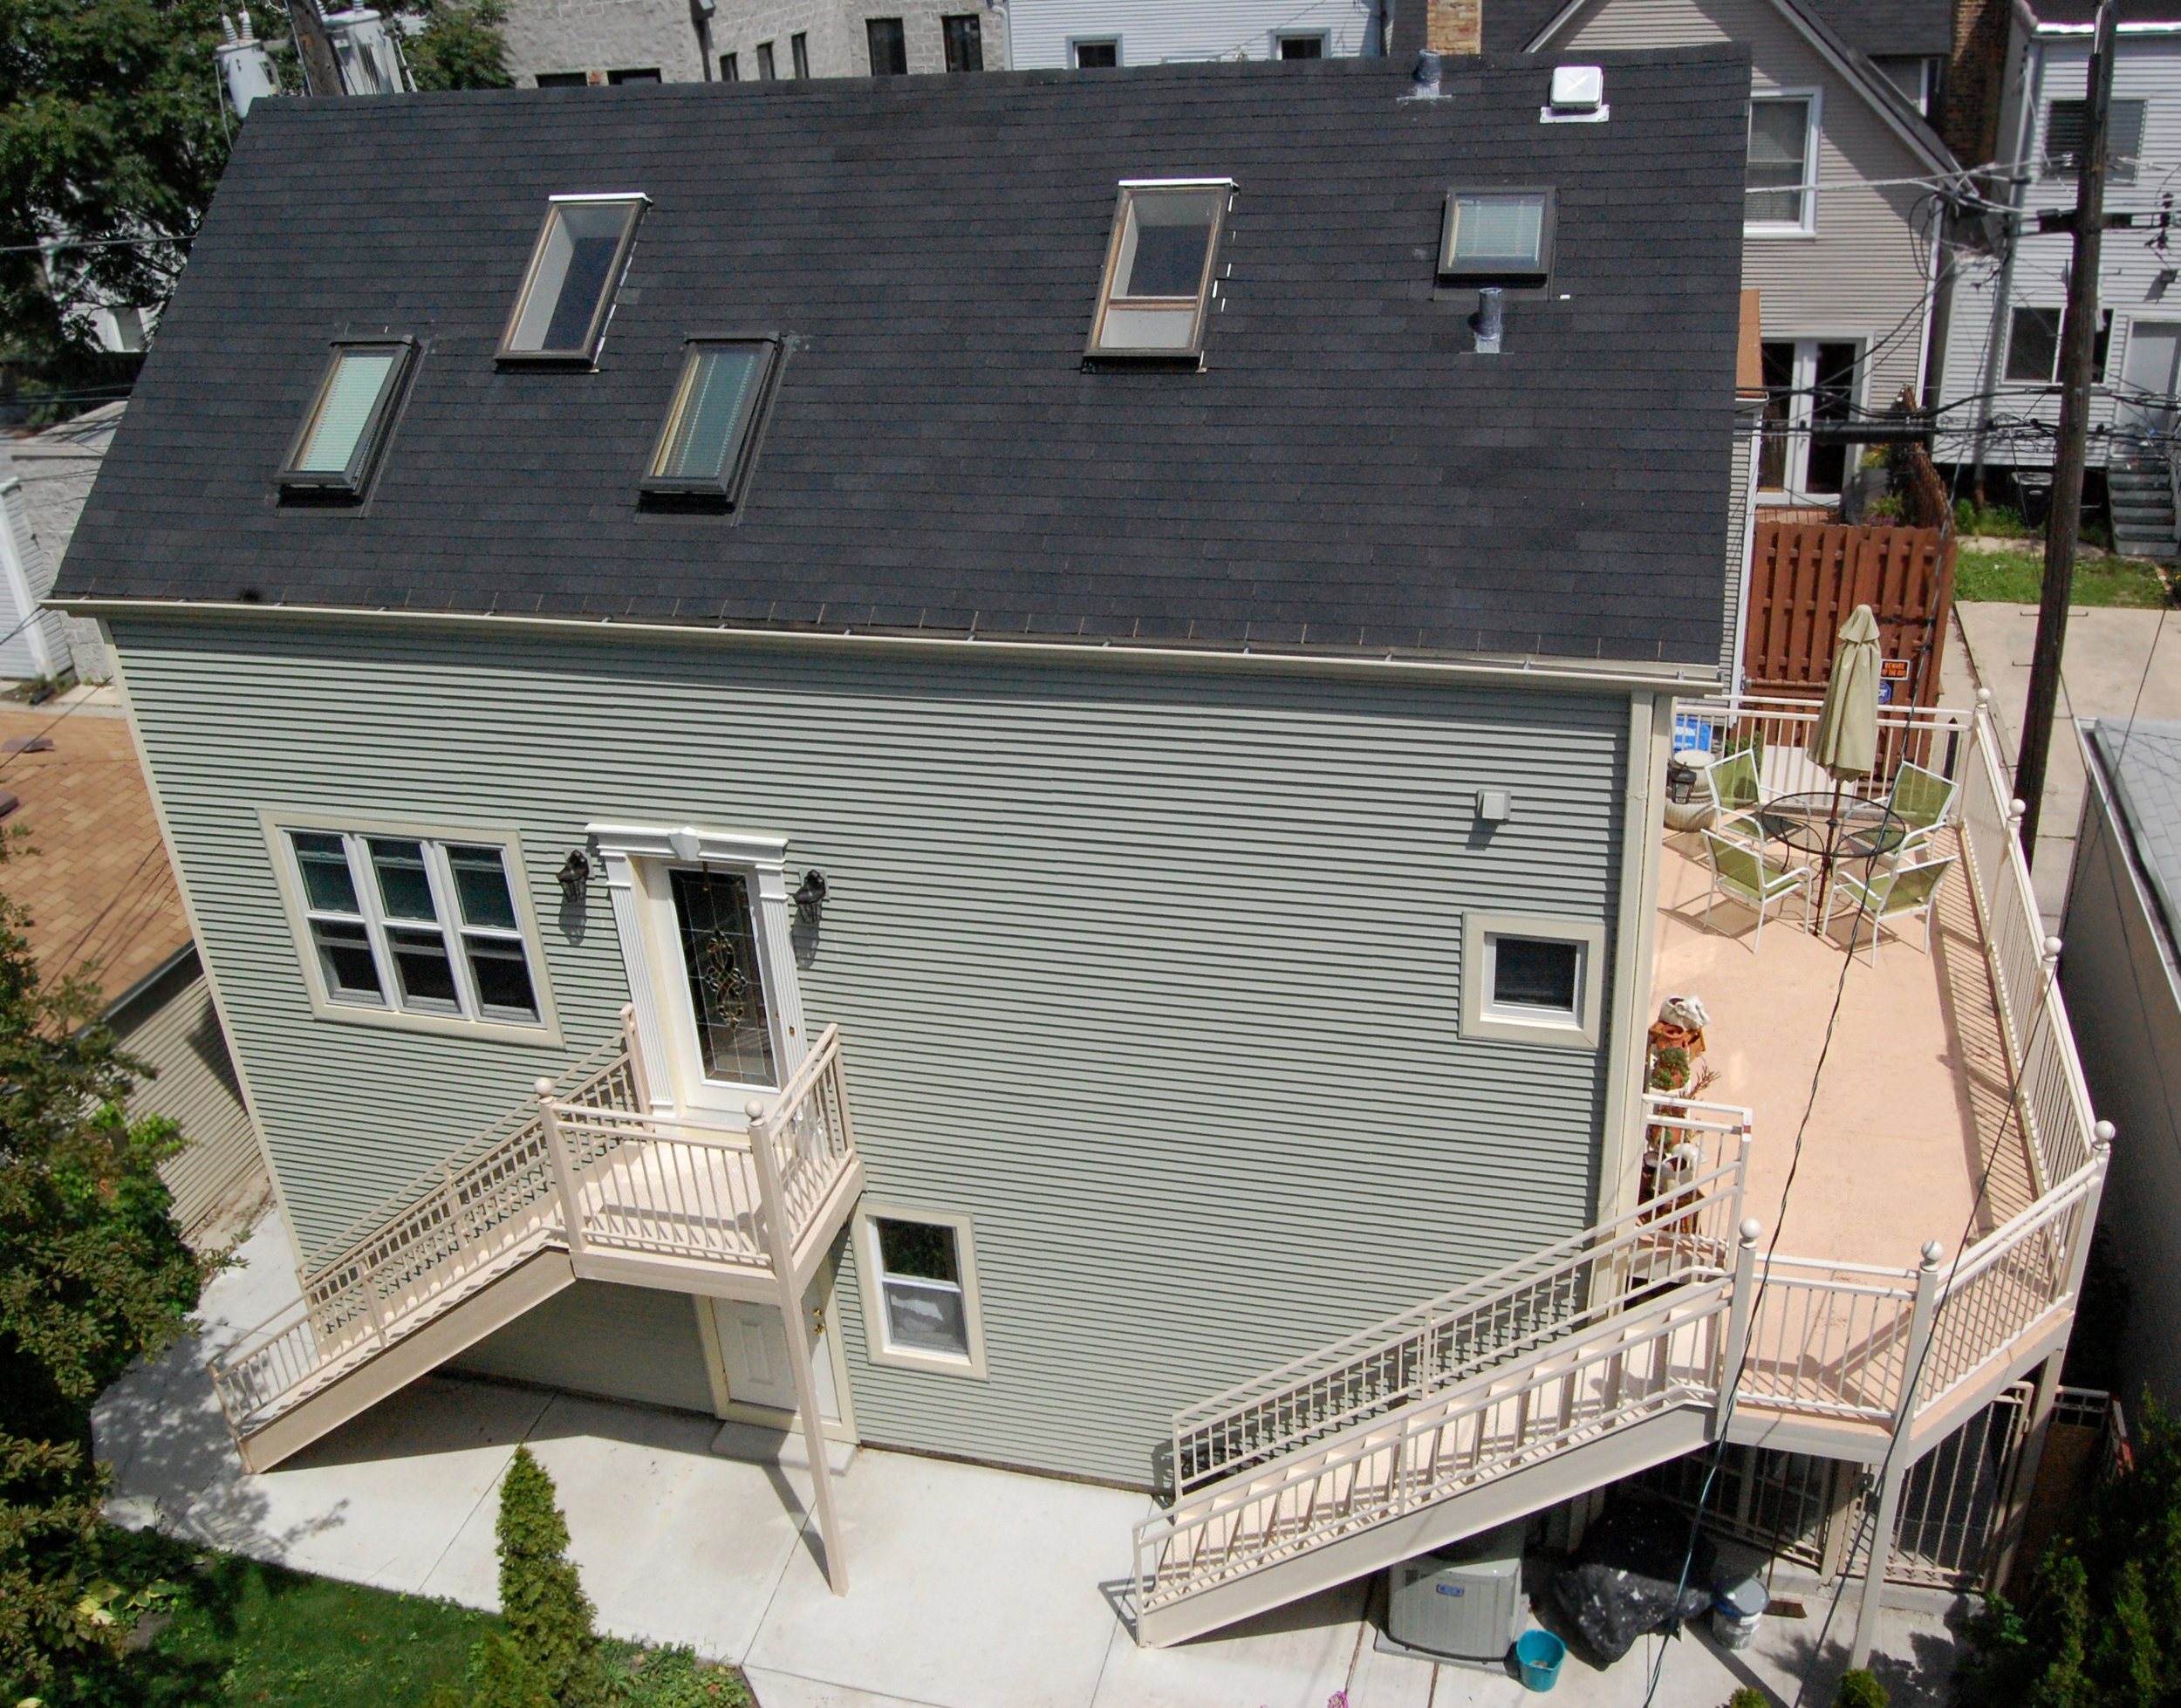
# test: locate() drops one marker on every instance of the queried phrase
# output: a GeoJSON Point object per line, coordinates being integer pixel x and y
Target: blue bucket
{"type": "Point", "coordinates": [1539, 1655]}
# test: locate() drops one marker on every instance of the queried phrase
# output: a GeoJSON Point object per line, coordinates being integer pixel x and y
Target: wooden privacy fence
{"type": "Point", "coordinates": [1804, 580]}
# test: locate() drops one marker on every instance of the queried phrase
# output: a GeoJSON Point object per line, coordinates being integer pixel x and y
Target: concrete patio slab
{"type": "Point", "coordinates": [970, 1587]}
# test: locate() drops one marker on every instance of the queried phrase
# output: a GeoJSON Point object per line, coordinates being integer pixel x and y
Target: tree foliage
{"type": "Point", "coordinates": [457, 44]}
{"type": "Point", "coordinates": [2101, 1628]}
{"type": "Point", "coordinates": [541, 1597]}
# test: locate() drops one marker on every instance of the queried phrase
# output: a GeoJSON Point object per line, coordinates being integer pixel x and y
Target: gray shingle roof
{"type": "Point", "coordinates": [1347, 473]}
{"type": "Point", "coordinates": [2144, 761]}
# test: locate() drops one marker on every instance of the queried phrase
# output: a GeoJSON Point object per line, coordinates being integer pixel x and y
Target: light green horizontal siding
{"type": "Point", "coordinates": [623, 1342]}
{"type": "Point", "coordinates": [1153, 972]}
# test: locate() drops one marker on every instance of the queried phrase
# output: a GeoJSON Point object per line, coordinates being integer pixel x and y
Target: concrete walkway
{"type": "Point", "coordinates": [970, 1587]}
{"type": "Point", "coordinates": [2100, 676]}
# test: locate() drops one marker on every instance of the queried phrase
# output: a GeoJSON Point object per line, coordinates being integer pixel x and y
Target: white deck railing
{"type": "Point", "coordinates": [586, 1165]}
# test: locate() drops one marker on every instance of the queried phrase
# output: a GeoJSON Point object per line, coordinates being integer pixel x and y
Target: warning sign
{"type": "Point", "coordinates": [1893, 669]}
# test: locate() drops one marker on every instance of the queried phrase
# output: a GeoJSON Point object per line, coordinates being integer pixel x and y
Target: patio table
{"type": "Point", "coordinates": [1830, 830]}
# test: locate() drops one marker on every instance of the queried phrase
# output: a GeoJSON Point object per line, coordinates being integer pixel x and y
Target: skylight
{"type": "Point", "coordinates": [1159, 267]}
{"type": "Point", "coordinates": [568, 292]}
{"type": "Point", "coordinates": [1497, 236]}
{"type": "Point", "coordinates": [341, 436]}
{"type": "Point", "coordinates": [704, 446]}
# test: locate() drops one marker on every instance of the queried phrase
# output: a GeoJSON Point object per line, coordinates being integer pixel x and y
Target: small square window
{"type": "Point", "coordinates": [1097, 56]}
{"type": "Point", "coordinates": [1534, 974]}
{"type": "Point", "coordinates": [921, 1307]}
{"type": "Point", "coordinates": [1159, 267]}
{"type": "Point", "coordinates": [705, 444]}
{"type": "Point", "coordinates": [766, 72]}
{"type": "Point", "coordinates": [2067, 127]}
{"type": "Point", "coordinates": [964, 37]}
{"type": "Point", "coordinates": [1531, 980]}
{"type": "Point", "coordinates": [889, 45]}
{"type": "Point", "coordinates": [1497, 236]}
{"type": "Point", "coordinates": [799, 51]}
{"type": "Point", "coordinates": [1302, 47]}
{"type": "Point", "coordinates": [567, 293]}
{"type": "Point", "coordinates": [346, 429]}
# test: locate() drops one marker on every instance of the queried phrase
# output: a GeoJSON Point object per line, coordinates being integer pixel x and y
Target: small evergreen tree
{"type": "Point", "coordinates": [1860, 1689]}
{"type": "Point", "coordinates": [548, 1618]}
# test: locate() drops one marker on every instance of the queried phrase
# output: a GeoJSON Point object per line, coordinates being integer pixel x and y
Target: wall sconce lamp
{"type": "Point", "coordinates": [574, 873]}
{"type": "Point", "coordinates": [810, 896]}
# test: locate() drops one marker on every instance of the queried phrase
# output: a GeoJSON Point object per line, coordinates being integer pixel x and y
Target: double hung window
{"type": "Point", "coordinates": [889, 46]}
{"type": "Point", "coordinates": [920, 1300]}
{"type": "Point", "coordinates": [2032, 344]}
{"type": "Point", "coordinates": [416, 927]}
{"type": "Point", "coordinates": [576, 266]}
{"type": "Point", "coordinates": [962, 35]}
{"type": "Point", "coordinates": [1159, 267]}
{"type": "Point", "coordinates": [1783, 173]}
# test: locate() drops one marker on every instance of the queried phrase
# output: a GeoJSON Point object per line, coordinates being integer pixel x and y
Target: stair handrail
{"type": "Point", "coordinates": [1484, 1323]}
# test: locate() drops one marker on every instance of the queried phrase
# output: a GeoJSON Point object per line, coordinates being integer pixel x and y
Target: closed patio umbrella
{"type": "Point", "coordinates": [1846, 740]}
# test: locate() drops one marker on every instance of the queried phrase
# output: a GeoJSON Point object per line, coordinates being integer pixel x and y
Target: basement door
{"type": "Point", "coordinates": [753, 1350]}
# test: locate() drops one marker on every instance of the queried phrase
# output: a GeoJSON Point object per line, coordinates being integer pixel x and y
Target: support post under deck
{"type": "Point", "coordinates": [1897, 1458]}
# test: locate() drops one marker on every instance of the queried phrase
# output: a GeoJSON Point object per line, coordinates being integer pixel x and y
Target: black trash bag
{"type": "Point", "coordinates": [1625, 1579]}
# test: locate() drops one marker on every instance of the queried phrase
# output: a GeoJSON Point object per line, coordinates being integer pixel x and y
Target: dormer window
{"type": "Point", "coordinates": [338, 444]}
{"type": "Point", "coordinates": [1498, 236]}
{"type": "Point", "coordinates": [1159, 267]}
{"type": "Point", "coordinates": [575, 268]}
{"type": "Point", "coordinates": [706, 446]}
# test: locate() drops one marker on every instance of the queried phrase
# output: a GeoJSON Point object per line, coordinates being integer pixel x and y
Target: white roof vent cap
{"type": "Point", "coordinates": [1578, 94]}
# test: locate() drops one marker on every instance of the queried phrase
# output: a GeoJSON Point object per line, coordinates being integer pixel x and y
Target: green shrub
{"type": "Point", "coordinates": [548, 1618]}
{"type": "Point", "coordinates": [1860, 1689]}
{"type": "Point", "coordinates": [1748, 1696]}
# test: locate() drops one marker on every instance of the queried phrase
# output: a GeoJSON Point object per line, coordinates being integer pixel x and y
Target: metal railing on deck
{"type": "Point", "coordinates": [1828, 1340]}
{"type": "Point", "coordinates": [1778, 729]}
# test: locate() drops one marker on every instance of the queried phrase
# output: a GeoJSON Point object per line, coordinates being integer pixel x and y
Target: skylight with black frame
{"type": "Point", "coordinates": [1497, 236]}
{"type": "Point", "coordinates": [338, 443]}
{"type": "Point", "coordinates": [1159, 262]}
{"type": "Point", "coordinates": [707, 443]}
{"type": "Point", "coordinates": [576, 266]}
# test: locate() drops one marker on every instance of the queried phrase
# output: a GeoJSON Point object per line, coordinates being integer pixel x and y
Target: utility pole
{"type": "Point", "coordinates": [321, 70]}
{"type": "Point", "coordinates": [2077, 335]}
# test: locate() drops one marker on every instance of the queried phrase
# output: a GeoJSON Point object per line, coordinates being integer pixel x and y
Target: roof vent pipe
{"type": "Point", "coordinates": [1487, 320]}
{"type": "Point", "coordinates": [1426, 87]}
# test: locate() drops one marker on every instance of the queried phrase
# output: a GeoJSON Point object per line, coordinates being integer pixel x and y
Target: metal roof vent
{"type": "Point", "coordinates": [1578, 96]}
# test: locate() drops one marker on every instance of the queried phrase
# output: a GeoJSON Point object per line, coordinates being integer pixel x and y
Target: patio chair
{"type": "Point", "coordinates": [1742, 874]}
{"type": "Point", "coordinates": [1920, 804]}
{"type": "Point", "coordinates": [1736, 795]}
{"type": "Point", "coordinates": [1885, 896]}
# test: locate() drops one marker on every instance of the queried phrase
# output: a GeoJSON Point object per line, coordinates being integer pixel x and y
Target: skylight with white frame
{"type": "Point", "coordinates": [576, 266]}
{"type": "Point", "coordinates": [1158, 281]}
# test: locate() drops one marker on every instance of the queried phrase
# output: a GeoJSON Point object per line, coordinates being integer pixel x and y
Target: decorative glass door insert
{"type": "Point", "coordinates": [727, 987]}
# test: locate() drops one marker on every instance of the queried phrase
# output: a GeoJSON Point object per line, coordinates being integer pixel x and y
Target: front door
{"type": "Point", "coordinates": [2147, 379]}
{"type": "Point", "coordinates": [754, 1349]}
{"type": "Point", "coordinates": [731, 1042]}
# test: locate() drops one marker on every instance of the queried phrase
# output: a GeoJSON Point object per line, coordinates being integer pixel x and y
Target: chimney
{"type": "Point", "coordinates": [1454, 26]}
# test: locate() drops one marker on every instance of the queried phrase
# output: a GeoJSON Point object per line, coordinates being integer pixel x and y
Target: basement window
{"type": "Point", "coordinates": [922, 1309]}
{"type": "Point", "coordinates": [341, 437]}
{"type": "Point", "coordinates": [709, 439]}
{"type": "Point", "coordinates": [567, 294]}
{"type": "Point", "coordinates": [1498, 236]}
{"type": "Point", "coordinates": [1157, 283]}
{"type": "Point", "coordinates": [430, 931]}
{"type": "Point", "coordinates": [1531, 980]}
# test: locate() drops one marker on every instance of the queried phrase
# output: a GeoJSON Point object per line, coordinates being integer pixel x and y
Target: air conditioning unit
{"type": "Point", "coordinates": [1464, 1600]}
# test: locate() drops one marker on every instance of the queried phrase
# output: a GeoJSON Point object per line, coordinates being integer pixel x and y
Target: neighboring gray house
{"type": "Point", "coordinates": [556, 42]}
{"type": "Point", "coordinates": [1998, 395]}
{"type": "Point", "coordinates": [56, 468]}
{"type": "Point", "coordinates": [2121, 970]}
{"type": "Point", "coordinates": [1842, 233]}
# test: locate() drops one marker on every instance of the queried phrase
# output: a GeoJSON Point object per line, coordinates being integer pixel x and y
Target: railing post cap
{"type": "Point", "coordinates": [1933, 1254]}
{"type": "Point", "coordinates": [2016, 810]}
{"type": "Point", "coordinates": [1753, 1231]}
{"type": "Point", "coordinates": [755, 1109]}
{"type": "Point", "coordinates": [2103, 1131]}
{"type": "Point", "coordinates": [1984, 696]}
{"type": "Point", "coordinates": [542, 1086]}
{"type": "Point", "coordinates": [2052, 948]}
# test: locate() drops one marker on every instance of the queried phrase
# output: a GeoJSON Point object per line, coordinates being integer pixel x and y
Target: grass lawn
{"type": "Point", "coordinates": [237, 1634]}
{"type": "Point", "coordinates": [2014, 578]}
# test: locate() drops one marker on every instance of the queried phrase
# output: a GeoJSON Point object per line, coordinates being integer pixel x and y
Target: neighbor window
{"type": "Point", "coordinates": [704, 445]}
{"type": "Point", "coordinates": [1782, 163]}
{"type": "Point", "coordinates": [889, 46]}
{"type": "Point", "coordinates": [799, 53]}
{"type": "Point", "coordinates": [575, 267]}
{"type": "Point", "coordinates": [922, 1311]}
{"type": "Point", "coordinates": [563, 79]}
{"type": "Point", "coordinates": [1497, 236]}
{"type": "Point", "coordinates": [2067, 129]}
{"type": "Point", "coordinates": [338, 445]}
{"type": "Point", "coordinates": [1159, 267]}
{"type": "Point", "coordinates": [964, 37]}
{"type": "Point", "coordinates": [1097, 56]}
{"type": "Point", "coordinates": [1302, 47]}
{"type": "Point", "coordinates": [766, 73]}
{"type": "Point", "coordinates": [1531, 980]}
{"type": "Point", "coordinates": [730, 68]}
{"type": "Point", "coordinates": [645, 74]}
{"type": "Point", "coordinates": [2032, 344]}
{"type": "Point", "coordinates": [416, 925]}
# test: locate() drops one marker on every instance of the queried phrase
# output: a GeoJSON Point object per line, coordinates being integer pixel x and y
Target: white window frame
{"type": "Point", "coordinates": [1322, 38]}
{"type": "Point", "coordinates": [1806, 226]}
{"type": "Point", "coordinates": [1481, 1018]}
{"type": "Point", "coordinates": [1114, 42]}
{"type": "Point", "coordinates": [871, 1273]}
{"type": "Point", "coordinates": [1803, 410]}
{"type": "Point", "coordinates": [277, 823]}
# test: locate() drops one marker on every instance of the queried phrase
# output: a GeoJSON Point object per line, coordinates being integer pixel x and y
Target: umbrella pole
{"type": "Point", "coordinates": [1832, 852]}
